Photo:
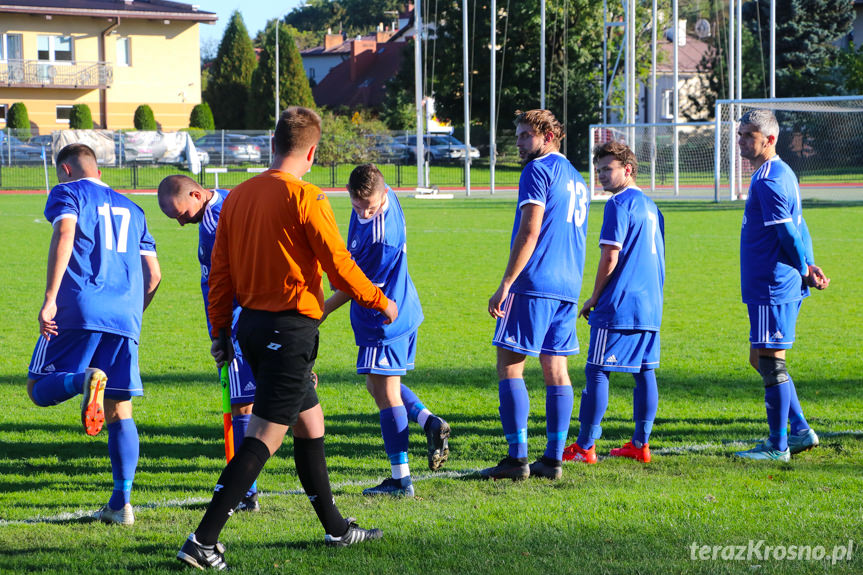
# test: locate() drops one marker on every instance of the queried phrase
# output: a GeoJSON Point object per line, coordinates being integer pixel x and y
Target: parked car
{"type": "Point", "coordinates": [438, 147]}
{"type": "Point", "coordinates": [237, 148]}
{"type": "Point", "coordinates": [15, 151]}
{"type": "Point", "coordinates": [389, 149]}
{"type": "Point", "coordinates": [263, 143]}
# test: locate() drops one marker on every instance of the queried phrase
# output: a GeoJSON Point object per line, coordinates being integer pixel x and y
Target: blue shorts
{"type": "Point", "coordinates": [772, 326]}
{"type": "Point", "coordinates": [627, 350]}
{"type": "Point", "coordinates": [240, 378]}
{"type": "Point", "coordinates": [537, 325]}
{"type": "Point", "coordinates": [394, 358]}
{"type": "Point", "coordinates": [74, 350]}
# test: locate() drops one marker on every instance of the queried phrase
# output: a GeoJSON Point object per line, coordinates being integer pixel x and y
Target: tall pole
{"type": "Point", "coordinates": [675, 143]}
{"type": "Point", "coordinates": [542, 54]}
{"type": "Point", "coordinates": [772, 48]}
{"type": "Point", "coordinates": [651, 100]}
{"type": "Point", "coordinates": [466, 94]}
{"type": "Point", "coordinates": [492, 149]}
{"type": "Point", "coordinates": [418, 91]}
{"type": "Point", "coordinates": [732, 141]}
{"type": "Point", "coordinates": [277, 70]}
{"type": "Point", "coordinates": [738, 64]}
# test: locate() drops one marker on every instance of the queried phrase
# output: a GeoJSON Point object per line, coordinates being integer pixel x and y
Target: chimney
{"type": "Point", "coordinates": [332, 40]}
{"type": "Point", "coordinates": [362, 56]}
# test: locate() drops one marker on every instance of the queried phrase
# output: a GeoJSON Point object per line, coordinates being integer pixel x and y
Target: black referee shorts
{"type": "Point", "coordinates": [281, 348]}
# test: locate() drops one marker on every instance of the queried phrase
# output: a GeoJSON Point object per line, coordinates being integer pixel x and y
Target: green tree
{"type": "Point", "coordinates": [80, 117]}
{"type": "Point", "coordinates": [346, 138]}
{"type": "Point", "coordinates": [806, 32]}
{"type": "Point", "coordinates": [230, 76]}
{"type": "Point", "coordinates": [851, 63]}
{"type": "Point", "coordinates": [144, 118]}
{"type": "Point", "coordinates": [18, 119]}
{"type": "Point", "coordinates": [294, 89]}
{"type": "Point", "coordinates": [349, 16]}
{"type": "Point", "coordinates": [202, 117]}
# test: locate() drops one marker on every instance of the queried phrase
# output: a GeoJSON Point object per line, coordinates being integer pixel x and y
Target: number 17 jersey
{"type": "Point", "coordinates": [556, 266]}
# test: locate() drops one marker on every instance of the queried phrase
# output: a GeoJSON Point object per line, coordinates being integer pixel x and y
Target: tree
{"type": "Point", "coordinates": [806, 32]}
{"type": "Point", "coordinates": [230, 76]}
{"type": "Point", "coordinates": [851, 63]}
{"type": "Point", "coordinates": [202, 117]}
{"type": "Point", "coordinates": [144, 118]}
{"type": "Point", "coordinates": [19, 120]}
{"type": "Point", "coordinates": [349, 16]}
{"type": "Point", "coordinates": [294, 89]}
{"type": "Point", "coordinates": [80, 117]}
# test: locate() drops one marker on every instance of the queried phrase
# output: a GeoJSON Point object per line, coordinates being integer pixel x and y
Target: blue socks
{"type": "Point", "coordinates": [514, 409]}
{"type": "Point", "coordinates": [594, 402]}
{"type": "Point", "coordinates": [777, 399]}
{"type": "Point", "coordinates": [558, 411]}
{"type": "Point", "coordinates": [417, 412]}
{"type": "Point", "coordinates": [240, 423]}
{"type": "Point", "coordinates": [795, 412]}
{"type": "Point", "coordinates": [394, 429]}
{"type": "Point", "coordinates": [57, 388]}
{"type": "Point", "coordinates": [123, 450]}
{"type": "Point", "coordinates": [645, 399]}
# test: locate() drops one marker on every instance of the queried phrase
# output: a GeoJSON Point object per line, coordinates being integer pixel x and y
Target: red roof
{"type": "Point", "coordinates": [360, 81]}
{"type": "Point", "coordinates": [151, 9]}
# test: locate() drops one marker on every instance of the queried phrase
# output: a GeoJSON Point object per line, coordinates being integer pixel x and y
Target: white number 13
{"type": "Point", "coordinates": [106, 212]}
{"type": "Point", "coordinates": [577, 206]}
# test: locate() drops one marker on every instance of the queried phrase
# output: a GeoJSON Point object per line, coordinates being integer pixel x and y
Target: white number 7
{"type": "Point", "coordinates": [106, 211]}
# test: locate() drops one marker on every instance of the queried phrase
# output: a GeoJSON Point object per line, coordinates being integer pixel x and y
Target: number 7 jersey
{"type": "Point", "coordinates": [556, 266]}
{"type": "Point", "coordinates": [103, 287]}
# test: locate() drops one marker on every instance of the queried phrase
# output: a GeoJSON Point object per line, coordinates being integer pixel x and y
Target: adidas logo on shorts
{"type": "Point", "coordinates": [611, 359]}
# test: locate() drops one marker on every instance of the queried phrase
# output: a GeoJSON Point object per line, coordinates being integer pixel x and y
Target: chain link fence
{"type": "Point", "coordinates": [140, 160]}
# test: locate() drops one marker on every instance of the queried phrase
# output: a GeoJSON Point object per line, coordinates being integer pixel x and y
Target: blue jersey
{"type": "Point", "coordinates": [555, 268]}
{"type": "Point", "coordinates": [766, 273]}
{"type": "Point", "coordinates": [379, 247]}
{"type": "Point", "coordinates": [632, 298]}
{"type": "Point", "coordinates": [206, 240]}
{"type": "Point", "coordinates": [103, 287]}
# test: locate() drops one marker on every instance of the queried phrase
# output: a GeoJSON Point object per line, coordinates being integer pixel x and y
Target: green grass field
{"type": "Point", "coordinates": [614, 517]}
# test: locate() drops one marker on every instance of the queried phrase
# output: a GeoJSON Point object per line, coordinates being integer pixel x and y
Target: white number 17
{"type": "Point", "coordinates": [106, 212]}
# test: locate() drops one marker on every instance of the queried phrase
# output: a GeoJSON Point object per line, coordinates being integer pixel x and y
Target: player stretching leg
{"type": "Point", "coordinates": [102, 274]}
{"type": "Point", "coordinates": [377, 241]}
{"type": "Point", "coordinates": [536, 303]}
{"type": "Point", "coordinates": [625, 309]}
{"type": "Point", "coordinates": [777, 268]}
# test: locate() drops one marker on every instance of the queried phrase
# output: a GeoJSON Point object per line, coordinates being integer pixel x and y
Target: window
{"type": "Point", "coordinates": [124, 52]}
{"type": "Point", "coordinates": [54, 48]}
{"type": "Point", "coordinates": [3, 113]}
{"type": "Point", "coordinates": [10, 47]}
{"type": "Point", "coordinates": [668, 104]}
{"type": "Point", "coordinates": [63, 113]}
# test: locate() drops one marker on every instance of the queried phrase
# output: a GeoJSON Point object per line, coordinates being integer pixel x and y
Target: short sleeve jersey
{"type": "Point", "coordinates": [632, 298]}
{"type": "Point", "coordinates": [379, 246]}
{"type": "Point", "coordinates": [766, 273]}
{"type": "Point", "coordinates": [103, 287]}
{"type": "Point", "coordinates": [206, 239]}
{"type": "Point", "coordinates": [555, 268]}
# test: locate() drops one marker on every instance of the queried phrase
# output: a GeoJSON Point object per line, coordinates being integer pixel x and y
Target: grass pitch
{"type": "Point", "coordinates": [614, 517]}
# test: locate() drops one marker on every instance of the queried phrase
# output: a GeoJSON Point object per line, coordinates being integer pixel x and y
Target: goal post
{"type": "Point", "coordinates": [820, 138]}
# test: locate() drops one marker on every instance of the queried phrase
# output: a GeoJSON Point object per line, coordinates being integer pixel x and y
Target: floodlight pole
{"type": "Point", "coordinates": [465, 93]}
{"type": "Point", "coordinates": [277, 71]}
{"type": "Point", "coordinates": [772, 48]}
{"type": "Point", "coordinates": [492, 148]}
{"type": "Point", "coordinates": [418, 91]}
{"type": "Point", "coordinates": [676, 138]}
{"type": "Point", "coordinates": [542, 54]}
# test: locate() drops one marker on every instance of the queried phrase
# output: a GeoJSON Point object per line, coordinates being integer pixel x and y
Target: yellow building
{"type": "Point", "coordinates": [112, 55]}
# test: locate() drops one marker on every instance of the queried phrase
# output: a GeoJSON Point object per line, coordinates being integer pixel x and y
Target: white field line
{"type": "Point", "coordinates": [80, 514]}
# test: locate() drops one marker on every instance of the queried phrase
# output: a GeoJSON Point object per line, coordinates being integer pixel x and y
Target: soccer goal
{"type": "Point", "coordinates": [669, 165]}
{"type": "Point", "coordinates": [820, 138]}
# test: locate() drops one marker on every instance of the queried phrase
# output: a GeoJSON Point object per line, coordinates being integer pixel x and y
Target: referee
{"type": "Point", "coordinates": [275, 236]}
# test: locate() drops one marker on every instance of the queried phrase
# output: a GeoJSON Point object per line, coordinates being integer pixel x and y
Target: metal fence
{"type": "Point", "coordinates": [130, 161]}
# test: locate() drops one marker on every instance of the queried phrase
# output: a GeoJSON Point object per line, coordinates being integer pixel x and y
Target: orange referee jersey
{"type": "Point", "coordinates": [276, 234]}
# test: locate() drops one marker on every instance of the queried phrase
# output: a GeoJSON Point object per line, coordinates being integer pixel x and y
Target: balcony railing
{"type": "Point", "coordinates": [42, 74]}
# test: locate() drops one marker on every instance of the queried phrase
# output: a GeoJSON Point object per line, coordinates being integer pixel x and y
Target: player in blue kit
{"type": "Point", "coordinates": [102, 274]}
{"type": "Point", "coordinates": [625, 308]}
{"type": "Point", "coordinates": [181, 198]}
{"type": "Point", "coordinates": [777, 268]}
{"type": "Point", "coordinates": [377, 241]}
{"type": "Point", "coordinates": [536, 303]}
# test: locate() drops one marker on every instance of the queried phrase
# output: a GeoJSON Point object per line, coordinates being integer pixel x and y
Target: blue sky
{"type": "Point", "coordinates": [255, 15]}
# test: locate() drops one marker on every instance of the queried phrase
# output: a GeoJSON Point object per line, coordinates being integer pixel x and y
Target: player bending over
{"type": "Point", "coordinates": [625, 309]}
{"type": "Point", "coordinates": [377, 241]}
{"type": "Point", "coordinates": [102, 274]}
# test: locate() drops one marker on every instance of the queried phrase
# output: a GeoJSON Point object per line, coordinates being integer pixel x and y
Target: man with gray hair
{"type": "Point", "coordinates": [777, 268]}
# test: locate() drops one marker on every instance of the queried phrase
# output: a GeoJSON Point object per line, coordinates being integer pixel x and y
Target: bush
{"type": "Point", "coordinates": [17, 119]}
{"type": "Point", "coordinates": [346, 138]}
{"type": "Point", "coordinates": [202, 117]}
{"type": "Point", "coordinates": [80, 117]}
{"type": "Point", "coordinates": [144, 118]}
